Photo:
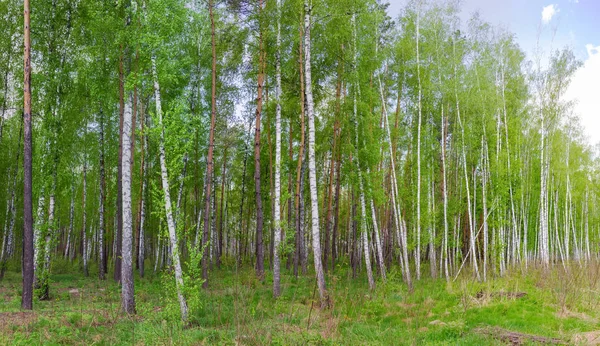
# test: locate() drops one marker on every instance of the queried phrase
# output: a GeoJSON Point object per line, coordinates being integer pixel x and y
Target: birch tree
{"type": "Point", "coordinates": [167, 196]}
{"type": "Point", "coordinates": [127, 284]}
{"type": "Point", "coordinates": [312, 171]}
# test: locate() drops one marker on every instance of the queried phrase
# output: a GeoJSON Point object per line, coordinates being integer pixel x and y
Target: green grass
{"type": "Point", "coordinates": [239, 309]}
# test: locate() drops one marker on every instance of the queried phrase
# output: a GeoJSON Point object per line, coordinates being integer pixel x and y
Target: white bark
{"type": "Point", "coordinates": [432, 233]}
{"type": "Point", "coordinates": [418, 248]}
{"type": "Point", "coordinates": [71, 215]}
{"type": "Point", "coordinates": [127, 285]}
{"type": "Point", "coordinates": [311, 160]}
{"type": "Point", "coordinates": [510, 188]}
{"type": "Point", "coordinates": [167, 196]}
{"type": "Point", "coordinates": [363, 211]}
{"type": "Point", "coordinates": [142, 249]}
{"type": "Point", "coordinates": [7, 242]}
{"type": "Point", "coordinates": [101, 258]}
{"type": "Point", "coordinates": [484, 202]}
{"type": "Point", "coordinates": [277, 207]}
{"type": "Point", "coordinates": [464, 159]}
{"type": "Point", "coordinates": [398, 222]}
{"type": "Point", "coordinates": [84, 241]}
{"type": "Point", "coordinates": [37, 235]}
{"type": "Point", "coordinates": [543, 251]}
{"type": "Point", "coordinates": [445, 193]}
{"type": "Point", "coordinates": [48, 238]}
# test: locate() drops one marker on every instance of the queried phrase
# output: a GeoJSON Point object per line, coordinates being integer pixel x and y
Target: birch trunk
{"type": "Point", "coordinates": [257, 182]}
{"type": "Point", "coordinates": [84, 236]}
{"type": "Point", "coordinates": [485, 209]}
{"type": "Point", "coordinates": [445, 194]}
{"type": "Point", "coordinates": [276, 207]}
{"type": "Point", "coordinates": [119, 215]}
{"type": "Point", "coordinates": [11, 215]}
{"type": "Point", "coordinates": [44, 291]}
{"type": "Point", "coordinates": [464, 159]}
{"type": "Point", "coordinates": [543, 251]}
{"type": "Point", "coordinates": [71, 216]}
{"type": "Point", "coordinates": [418, 248]}
{"type": "Point", "coordinates": [363, 221]}
{"type": "Point", "coordinates": [311, 161]}
{"type": "Point", "coordinates": [300, 169]}
{"type": "Point", "coordinates": [378, 246]}
{"type": "Point", "coordinates": [37, 237]}
{"type": "Point", "coordinates": [168, 209]}
{"type": "Point", "coordinates": [127, 285]}
{"type": "Point", "coordinates": [102, 262]}
{"type": "Point", "coordinates": [211, 147]}
{"type": "Point", "coordinates": [141, 242]}
{"type": "Point", "coordinates": [398, 222]}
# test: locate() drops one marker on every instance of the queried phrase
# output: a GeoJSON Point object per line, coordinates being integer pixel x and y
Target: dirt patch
{"type": "Point", "coordinates": [516, 338]}
{"type": "Point", "coordinates": [10, 320]}
{"type": "Point", "coordinates": [589, 338]}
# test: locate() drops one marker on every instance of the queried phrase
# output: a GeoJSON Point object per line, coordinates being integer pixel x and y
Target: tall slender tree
{"type": "Point", "coordinates": [27, 295]}
{"type": "Point", "coordinates": [312, 171]}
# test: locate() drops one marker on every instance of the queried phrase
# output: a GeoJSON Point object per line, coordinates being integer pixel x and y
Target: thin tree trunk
{"type": "Point", "coordinates": [102, 263]}
{"type": "Point", "coordinates": [316, 239]}
{"type": "Point", "coordinates": [222, 201]}
{"type": "Point", "coordinates": [418, 235]}
{"type": "Point", "coordinates": [259, 212]}
{"type": "Point", "coordinates": [119, 230]}
{"type": "Point", "coordinates": [127, 286]}
{"type": "Point", "coordinates": [378, 246]}
{"type": "Point", "coordinates": [243, 193]}
{"type": "Point", "coordinates": [141, 244]}
{"type": "Point", "coordinates": [84, 235]}
{"type": "Point", "coordinates": [71, 217]}
{"type": "Point", "coordinates": [464, 159]}
{"type": "Point", "coordinates": [484, 175]}
{"type": "Point", "coordinates": [276, 206]}
{"type": "Point", "coordinates": [336, 215]}
{"type": "Point", "coordinates": [11, 214]}
{"type": "Point", "coordinates": [167, 196]}
{"type": "Point", "coordinates": [398, 222]}
{"type": "Point", "coordinates": [140, 218]}
{"type": "Point", "coordinates": [444, 128]}
{"type": "Point", "coordinates": [211, 145]}
{"type": "Point", "coordinates": [363, 221]}
{"type": "Point", "coordinates": [332, 169]}
{"type": "Point", "coordinates": [44, 285]}
{"type": "Point", "coordinates": [299, 196]}
{"type": "Point", "coordinates": [28, 260]}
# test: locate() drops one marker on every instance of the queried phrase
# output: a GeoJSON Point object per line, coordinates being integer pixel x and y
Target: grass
{"type": "Point", "coordinates": [239, 309]}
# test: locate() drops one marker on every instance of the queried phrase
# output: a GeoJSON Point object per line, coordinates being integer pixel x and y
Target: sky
{"type": "Point", "coordinates": [557, 23]}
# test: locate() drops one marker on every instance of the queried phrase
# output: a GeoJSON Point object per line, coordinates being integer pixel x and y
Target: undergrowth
{"type": "Point", "coordinates": [238, 308]}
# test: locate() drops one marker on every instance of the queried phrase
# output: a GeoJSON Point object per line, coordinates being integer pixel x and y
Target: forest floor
{"type": "Point", "coordinates": [552, 307]}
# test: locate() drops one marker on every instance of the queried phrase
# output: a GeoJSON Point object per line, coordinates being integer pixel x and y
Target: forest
{"type": "Point", "coordinates": [287, 172]}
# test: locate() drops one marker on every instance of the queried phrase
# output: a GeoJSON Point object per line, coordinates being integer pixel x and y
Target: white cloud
{"type": "Point", "coordinates": [584, 89]}
{"type": "Point", "coordinates": [548, 12]}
